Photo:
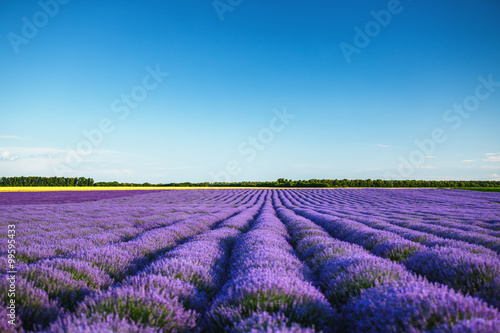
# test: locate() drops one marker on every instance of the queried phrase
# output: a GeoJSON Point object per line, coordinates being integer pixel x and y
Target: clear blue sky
{"type": "Point", "coordinates": [87, 64]}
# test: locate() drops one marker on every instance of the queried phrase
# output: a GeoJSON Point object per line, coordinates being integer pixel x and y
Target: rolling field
{"type": "Point", "coordinates": [251, 260]}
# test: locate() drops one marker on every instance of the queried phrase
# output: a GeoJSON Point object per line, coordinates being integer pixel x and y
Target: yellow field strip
{"type": "Point", "coordinates": [110, 188]}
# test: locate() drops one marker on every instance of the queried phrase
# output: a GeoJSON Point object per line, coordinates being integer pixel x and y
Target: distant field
{"type": "Point", "coordinates": [292, 260]}
{"type": "Point", "coordinates": [95, 188]}
{"type": "Point", "coordinates": [149, 188]}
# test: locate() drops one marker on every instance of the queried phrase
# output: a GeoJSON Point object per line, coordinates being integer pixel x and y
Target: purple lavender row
{"type": "Point", "coordinates": [52, 287]}
{"type": "Point", "coordinates": [67, 281]}
{"type": "Point", "coordinates": [61, 281]}
{"type": "Point", "coordinates": [472, 237]}
{"type": "Point", "coordinates": [59, 197]}
{"type": "Point", "coordinates": [473, 274]}
{"type": "Point", "coordinates": [416, 236]}
{"type": "Point", "coordinates": [376, 295]}
{"type": "Point", "coordinates": [436, 221]}
{"type": "Point", "coordinates": [202, 261]}
{"type": "Point", "coordinates": [52, 244]}
{"type": "Point", "coordinates": [447, 232]}
{"type": "Point", "coordinates": [424, 238]}
{"type": "Point", "coordinates": [469, 273]}
{"type": "Point", "coordinates": [33, 306]}
{"type": "Point", "coordinates": [43, 237]}
{"type": "Point", "coordinates": [160, 199]}
{"type": "Point", "coordinates": [119, 259]}
{"type": "Point", "coordinates": [268, 286]}
{"type": "Point", "coordinates": [429, 206]}
{"type": "Point", "coordinates": [430, 239]}
{"type": "Point", "coordinates": [124, 258]}
{"type": "Point", "coordinates": [171, 293]}
{"type": "Point", "coordinates": [321, 252]}
{"type": "Point", "coordinates": [57, 248]}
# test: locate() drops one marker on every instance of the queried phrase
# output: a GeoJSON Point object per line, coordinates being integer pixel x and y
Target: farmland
{"type": "Point", "coordinates": [251, 260]}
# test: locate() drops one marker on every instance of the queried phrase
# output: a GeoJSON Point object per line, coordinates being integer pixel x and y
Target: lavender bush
{"type": "Point", "coordinates": [253, 260]}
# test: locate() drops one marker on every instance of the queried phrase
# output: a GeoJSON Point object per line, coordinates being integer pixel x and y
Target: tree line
{"type": "Point", "coordinates": [46, 181]}
{"type": "Point", "coordinates": [327, 183]}
{"type": "Point", "coordinates": [281, 182]}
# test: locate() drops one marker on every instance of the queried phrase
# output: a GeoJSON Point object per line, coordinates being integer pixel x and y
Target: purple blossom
{"type": "Point", "coordinates": [253, 260]}
{"type": "Point", "coordinates": [399, 306]}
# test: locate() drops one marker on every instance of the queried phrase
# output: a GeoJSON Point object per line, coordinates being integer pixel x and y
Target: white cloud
{"type": "Point", "coordinates": [495, 176]}
{"type": "Point", "coordinates": [312, 166]}
{"type": "Point", "coordinates": [425, 167]}
{"type": "Point", "coordinates": [44, 152]}
{"type": "Point", "coordinates": [7, 156]}
{"type": "Point", "coordinates": [177, 168]}
{"type": "Point", "coordinates": [468, 161]}
{"type": "Point", "coordinates": [429, 156]}
{"type": "Point", "coordinates": [115, 172]}
{"type": "Point", "coordinates": [490, 166]}
{"type": "Point", "coordinates": [492, 157]}
{"type": "Point", "coordinates": [381, 145]}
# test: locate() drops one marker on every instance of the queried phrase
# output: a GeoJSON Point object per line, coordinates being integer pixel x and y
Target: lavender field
{"type": "Point", "coordinates": [253, 260]}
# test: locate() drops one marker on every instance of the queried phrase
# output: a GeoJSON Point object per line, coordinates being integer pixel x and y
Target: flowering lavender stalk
{"type": "Point", "coordinates": [34, 306]}
{"type": "Point", "coordinates": [250, 260]}
{"type": "Point", "coordinates": [150, 307]}
{"type": "Point", "coordinates": [342, 270]}
{"type": "Point", "coordinates": [398, 306]}
{"type": "Point", "coordinates": [265, 276]}
{"type": "Point", "coordinates": [97, 324]}
{"type": "Point", "coordinates": [5, 326]}
{"type": "Point", "coordinates": [470, 273]}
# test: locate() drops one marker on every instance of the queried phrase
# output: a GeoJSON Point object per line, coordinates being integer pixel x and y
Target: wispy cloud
{"type": "Point", "coordinates": [7, 156]}
{"type": "Point", "coordinates": [430, 156]}
{"type": "Point", "coordinates": [490, 166]}
{"type": "Point", "coordinates": [177, 168]}
{"type": "Point", "coordinates": [379, 145]}
{"type": "Point", "coordinates": [425, 167]}
{"type": "Point", "coordinates": [495, 176]}
{"type": "Point", "coordinates": [312, 166]}
{"type": "Point", "coordinates": [492, 157]}
{"type": "Point", "coordinates": [115, 172]}
{"type": "Point", "coordinates": [14, 153]}
{"type": "Point", "coordinates": [469, 161]}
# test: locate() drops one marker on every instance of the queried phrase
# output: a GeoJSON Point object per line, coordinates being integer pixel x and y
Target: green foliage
{"type": "Point", "coordinates": [288, 183]}
{"type": "Point", "coordinates": [478, 185]}
{"type": "Point", "coordinates": [45, 181]}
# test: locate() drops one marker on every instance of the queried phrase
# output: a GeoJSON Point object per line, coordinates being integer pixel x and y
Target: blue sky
{"type": "Point", "coordinates": [171, 92]}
